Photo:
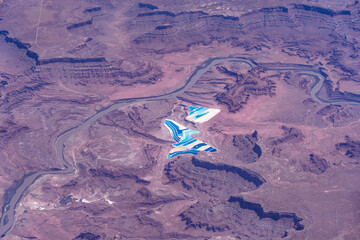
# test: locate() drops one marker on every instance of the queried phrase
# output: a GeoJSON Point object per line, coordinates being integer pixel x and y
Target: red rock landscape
{"type": "Point", "coordinates": [85, 87]}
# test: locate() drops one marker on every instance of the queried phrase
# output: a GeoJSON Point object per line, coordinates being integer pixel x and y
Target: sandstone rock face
{"type": "Point", "coordinates": [88, 236]}
{"type": "Point", "coordinates": [351, 148]}
{"type": "Point", "coordinates": [225, 217]}
{"type": "Point", "coordinates": [249, 151]}
{"type": "Point", "coordinates": [221, 214]}
{"type": "Point", "coordinates": [290, 135]}
{"type": "Point", "coordinates": [316, 164]}
{"type": "Point", "coordinates": [217, 180]}
{"type": "Point", "coordinates": [238, 93]}
{"type": "Point", "coordinates": [338, 115]}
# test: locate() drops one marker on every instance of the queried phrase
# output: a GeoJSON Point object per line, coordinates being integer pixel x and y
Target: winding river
{"type": "Point", "coordinates": [8, 212]}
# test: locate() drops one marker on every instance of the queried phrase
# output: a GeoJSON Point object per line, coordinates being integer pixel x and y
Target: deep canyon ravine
{"type": "Point", "coordinates": [16, 193]}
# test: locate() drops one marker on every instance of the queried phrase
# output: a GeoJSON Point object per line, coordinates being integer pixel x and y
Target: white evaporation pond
{"type": "Point", "coordinates": [201, 114]}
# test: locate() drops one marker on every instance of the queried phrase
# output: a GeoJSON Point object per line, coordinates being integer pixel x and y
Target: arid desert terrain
{"type": "Point", "coordinates": [86, 87]}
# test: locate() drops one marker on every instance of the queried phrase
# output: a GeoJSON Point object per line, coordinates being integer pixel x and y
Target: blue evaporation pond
{"type": "Point", "coordinates": [184, 142]}
{"type": "Point", "coordinates": [174, 154]}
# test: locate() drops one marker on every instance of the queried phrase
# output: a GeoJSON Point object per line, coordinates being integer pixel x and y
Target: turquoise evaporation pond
{"type": "Point", "coordinates": [199, 111]}
{"type": "Point", "coordinates": [183, 138]}
{"type": "Point", "coordinates": [201, 114]}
